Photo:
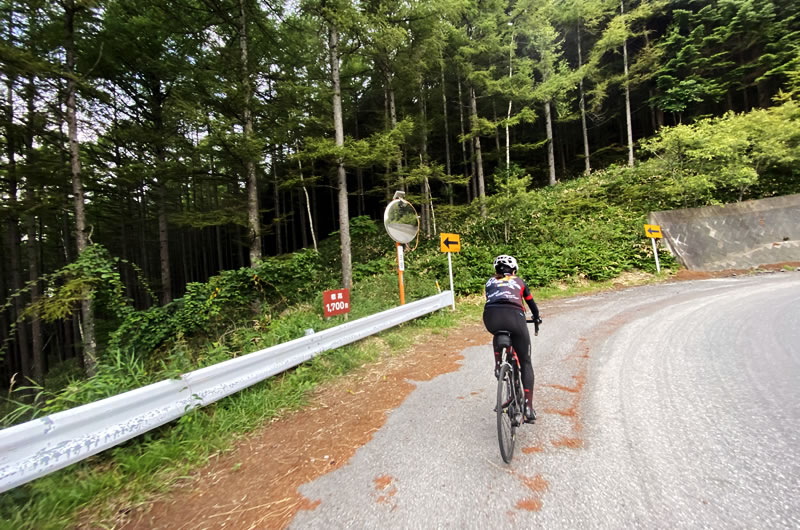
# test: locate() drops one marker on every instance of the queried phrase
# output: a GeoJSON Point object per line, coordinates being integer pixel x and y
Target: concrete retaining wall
{"type": "Point", "coordinates": [735, 236]}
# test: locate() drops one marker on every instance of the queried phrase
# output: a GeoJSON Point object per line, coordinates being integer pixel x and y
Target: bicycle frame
{"type": "Point", "coordinates": [511, 360]}
{"type": "Point", "coordinates": [510, 405]}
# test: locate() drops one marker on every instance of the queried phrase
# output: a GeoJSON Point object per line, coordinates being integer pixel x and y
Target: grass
{"type": "Point", "coordinates": [147, 466]}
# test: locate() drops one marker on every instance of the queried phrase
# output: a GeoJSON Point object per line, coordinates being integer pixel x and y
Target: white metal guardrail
{"type": "Point", "coordinates": [38, 447]}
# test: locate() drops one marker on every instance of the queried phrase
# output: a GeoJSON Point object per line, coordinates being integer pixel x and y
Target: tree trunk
{"type": "Point", "coordinates": [473, 180]}
{"type": "Point", "coordinates": [37, 354]}
{"type": "Point", "coordinates": [157, 109]}
{"type": "Point", "coordinates": [508, 113]}
{"type": "Point", "coordinates": [446, 134]}
{"type": "Point", "coordinates": [12, 242]}
{"type": "Point", "coordinates": [627, 92]}
{"type": "Point", "coordinates": [308, 204]}
{"type": "Point", "coordinates": [463, 142]}
{"type": "Point", "coordinates": [387, 174]}
{"type": "Point", "coordinates": [4, 316]}
{"type": "Point", "coordinates": [197, 256]}
{"type": "Point", "coordinates": [218, 237]}
{"type": "Point", "coordinates": [478, 158]}
{"type": "Point", "coordinates": [360, 202]}
{"type": "Point", "coordinates": [37, 358]}
{"type": "Point", "coordinates": [292, 203]}
{"type": "Point", "coordinates": [276, 209]}
{"type": "Point", "coordinates": [587, 164]}
{"type": "Point", "coordinates": [430, 202]}
{"type": "Point", "coordinates": [393, 116]}
{"type": "Point", "coordinates": [551, 163]}
{"type": "Point", "coordinates": [253, 221]}
{"type": "Point", "coordinates": [344, 218]}
{"type": "Point", "coordinates": [763, 94]}
{"type": "Point", "coordinates": [651, 94]}
{"type": "Point", "coordinates": [75, 337]}
{"type": "Point", "coordinates": [287, 218]}
{"type": "Point", "coordinates": [218, 228]}
{"type": "Point", "coordinates": [202, 241]}
{"type": "Point", "coordinates": [87, 314]}
{"type": "Point", "coordinates": [144, 255]}
{"type": "Point", "coordinates": [423, 159]}
{"type": "Point", "coordinates": [163, 244]}
{"type": "Point", "coordinates": [12, 222]}
{"type": "Point", "coordinates": [129, 278]}
{"type": "Point", "coordinates": [314, 203]}
{"type": "Point", "coordinates": [301, 217]}
{"type": "Point", "coordinates": [745, 99]}
{"type": "Point", "coordinates": [496, 133]}
{"type": "Point", "coordinates": [240, 246]}
{"type": "Point", "coordinates": [186, 258]}
{"type": "Point", "coordinates": [562, 149]}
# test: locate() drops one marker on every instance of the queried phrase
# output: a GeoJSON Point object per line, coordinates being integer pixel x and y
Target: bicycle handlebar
{"type": "Point", "coordinates": [535, 325]}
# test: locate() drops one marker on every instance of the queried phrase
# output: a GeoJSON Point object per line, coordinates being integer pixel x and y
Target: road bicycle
{"type": "Point", "coordinates": [510, 397]}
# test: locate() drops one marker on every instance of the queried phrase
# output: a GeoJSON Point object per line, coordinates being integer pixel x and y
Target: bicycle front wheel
{"type": "Point", "coordinates": [506, 428]}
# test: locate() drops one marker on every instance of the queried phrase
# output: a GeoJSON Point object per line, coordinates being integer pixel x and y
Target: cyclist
{"type": "Point", "coordinates": [504, 310]}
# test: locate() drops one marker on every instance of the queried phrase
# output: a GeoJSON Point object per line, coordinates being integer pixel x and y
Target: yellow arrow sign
{"type": "Point", "coordinates": [451, 243]}
{"type": "Point", "coordinates": [653, 231]}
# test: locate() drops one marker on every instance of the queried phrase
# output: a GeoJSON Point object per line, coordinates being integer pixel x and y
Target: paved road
{"type": "Point", "coordinates": [669, 406]}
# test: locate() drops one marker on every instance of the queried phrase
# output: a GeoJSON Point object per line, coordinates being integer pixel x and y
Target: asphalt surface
{"type": "Point", "coordinates": [667, 406]}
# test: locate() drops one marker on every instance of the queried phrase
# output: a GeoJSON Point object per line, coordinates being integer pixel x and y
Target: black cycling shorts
{"type": "Point", "coordinates": [511, 319]}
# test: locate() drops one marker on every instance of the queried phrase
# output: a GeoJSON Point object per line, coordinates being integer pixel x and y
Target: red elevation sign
{"type": "Point", "coordinates": [336, 302]}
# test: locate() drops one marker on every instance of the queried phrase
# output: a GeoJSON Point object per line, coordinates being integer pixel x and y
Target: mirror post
{"type": "Point", "coordinates": [400, 267]}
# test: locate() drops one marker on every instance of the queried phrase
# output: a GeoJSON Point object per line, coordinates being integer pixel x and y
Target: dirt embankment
{"type": "Point", "coordinates": [255, 484]}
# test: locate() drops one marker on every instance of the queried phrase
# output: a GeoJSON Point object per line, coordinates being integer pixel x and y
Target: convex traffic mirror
{"type": "Point", "coordinates": [400, 219]}
{"type": "Point", "coordinates": [402, 225]}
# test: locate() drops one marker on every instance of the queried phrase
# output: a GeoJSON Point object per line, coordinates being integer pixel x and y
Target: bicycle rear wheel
{"type": "Point", "coordinates": [506, 415]}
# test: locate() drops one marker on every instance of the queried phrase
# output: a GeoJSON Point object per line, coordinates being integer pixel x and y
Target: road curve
{"type": "Point", "coordinates": [666, 406]}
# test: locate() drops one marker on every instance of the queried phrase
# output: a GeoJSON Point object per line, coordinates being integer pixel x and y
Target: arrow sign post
{"type": "Point", "coordinates": [654, 232]}
{"type": "Point", "coordinates": [451, 243]}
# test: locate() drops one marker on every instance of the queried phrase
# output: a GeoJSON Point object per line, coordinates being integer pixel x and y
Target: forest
{"type": "Point", "coordinates": [181, 179]}
{"type": "Point", "coordinates": [156, 151]}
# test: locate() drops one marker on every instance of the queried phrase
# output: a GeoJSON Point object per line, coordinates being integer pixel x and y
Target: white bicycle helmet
{"type": "Point", "coordinates": [504, 259]}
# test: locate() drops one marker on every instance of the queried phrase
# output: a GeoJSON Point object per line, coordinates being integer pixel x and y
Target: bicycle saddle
{"type": "Point", "coordinates": [502, 339]}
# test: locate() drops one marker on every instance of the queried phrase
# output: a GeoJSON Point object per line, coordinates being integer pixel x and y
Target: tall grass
{"type": "Point", "coordinates": [137, 469]}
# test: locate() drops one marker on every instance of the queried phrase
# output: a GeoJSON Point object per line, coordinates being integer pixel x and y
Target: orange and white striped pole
{"type": "Point", "coordinates": [400, 268]}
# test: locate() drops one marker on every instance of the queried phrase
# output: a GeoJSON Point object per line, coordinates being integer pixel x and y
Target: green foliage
{"type": "Point", "coordinates": [372, 252]}
{"type": "Point", "coordinates": [208, 309]}
{"type": "Point", "coordinates": [571, 232]}
{"type": "Point", "coordinates": [94, 272]}
{"type": "Point", "coordinates": [94, 275]}
{"type": "Point", "coordinates": [379, 149]}
{"type": "Point", "coordinates": [722, 159]}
